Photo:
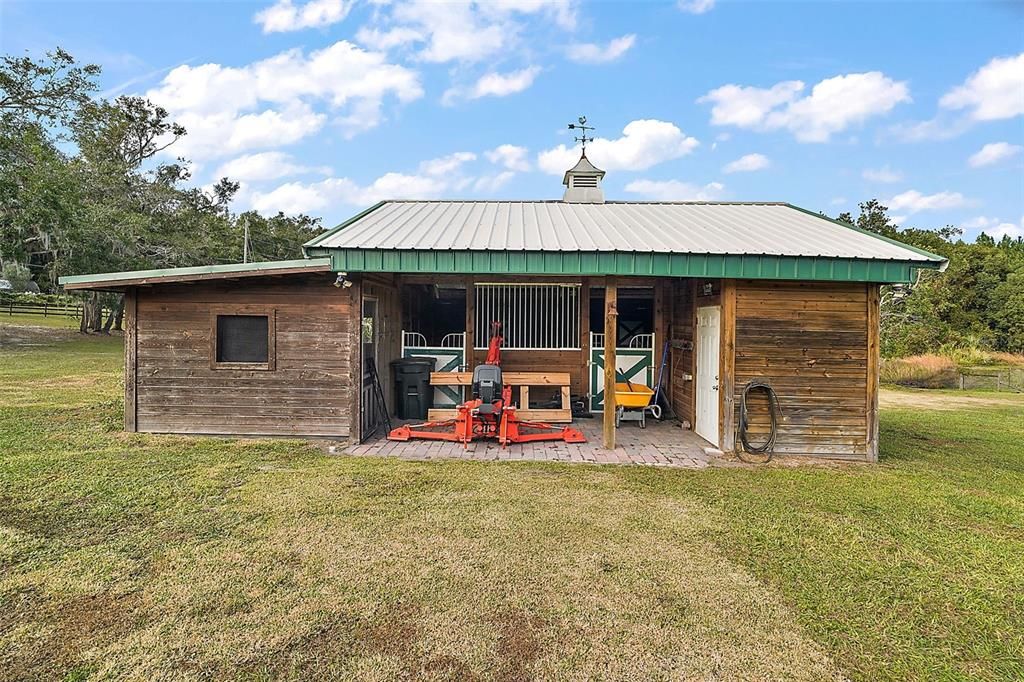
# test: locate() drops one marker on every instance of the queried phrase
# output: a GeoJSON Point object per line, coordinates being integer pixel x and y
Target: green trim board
{"type": "Point", "coordinates": [616, 263]}
{"type": "Point", "coordinates": [181, 274]}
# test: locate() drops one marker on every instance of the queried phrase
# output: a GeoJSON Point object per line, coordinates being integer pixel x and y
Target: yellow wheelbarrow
{"type": "Point", "coordinates": [633, 402]}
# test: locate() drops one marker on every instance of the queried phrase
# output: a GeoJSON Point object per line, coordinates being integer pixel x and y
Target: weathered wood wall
{"type": "Point", "coordinates": [309, 393]}
{"type": "Point", "coordinates": [810, 341]}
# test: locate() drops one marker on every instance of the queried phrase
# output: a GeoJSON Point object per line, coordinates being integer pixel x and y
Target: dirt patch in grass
{"type": "Point", "coordinates": [518, 644]}
{"type": "Point", "coordinates": [14, 336]}
{"type": "Point", "coordinates": [926, 399]}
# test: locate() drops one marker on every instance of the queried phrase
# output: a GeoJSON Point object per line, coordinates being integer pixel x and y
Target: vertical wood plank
{"type": "Point", "coordinates": [693, 355]}
{"type": "Point", "coordinates": [131, 351]}
{"type": "Point", "coordinates": [661, 327]}
{"type": "Point", "coordinates": [873, 368]}
{"type": "Point", "coordinates": [470, 323]}
{"type": "Point", "coordinates": [611, 318]}
{"type": "Point", "coordinates": [727, 368]}
{"type": "Point", "coordinates": [524, 397]}
{"type": "Point", "coordinates": [585, 337]}
{"type": "Point", "coordinates": [355, 293]}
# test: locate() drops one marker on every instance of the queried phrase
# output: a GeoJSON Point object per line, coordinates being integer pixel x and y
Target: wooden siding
{"type": "Point", "coordinates": [810, 341]}
{"type": "Point", "coordinates": [309, 393]}
{"type": "Point", "coordinates": [681, 360]}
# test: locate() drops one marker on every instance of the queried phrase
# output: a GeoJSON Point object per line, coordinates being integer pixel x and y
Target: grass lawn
{"type": "Point", "coordinates": [145, 557]}
{"type": "Point", "coordinates": [54, 321]}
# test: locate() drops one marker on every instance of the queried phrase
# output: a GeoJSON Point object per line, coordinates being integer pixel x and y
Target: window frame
{"type": "Point", "coordinates": [245, 310]}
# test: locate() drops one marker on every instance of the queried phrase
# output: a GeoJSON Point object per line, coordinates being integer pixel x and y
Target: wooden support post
{"type": "Point", "coordinates": [661, 326]}
{"type": "Point", "coordinates": [874, 364]}
{"type": "Point", "coordinates": [355, 294]}
{"type": "Point", "coordinates": [727, 367]}
{"type": "Point", "coordinates": [470, 323]}
{"type": "Point", "coordinates": [611, 327]}
{"type": "Point", "coordinates": [585, 338]}
{"type": "Point", "coordinates": [131, 348]}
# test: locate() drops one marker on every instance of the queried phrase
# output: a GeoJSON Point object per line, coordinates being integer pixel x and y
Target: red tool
{"type": "Point", "coordinates": [489, 414]}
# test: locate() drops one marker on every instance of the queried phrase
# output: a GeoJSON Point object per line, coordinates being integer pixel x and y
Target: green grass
{"type": "Point", "coordinates": [129, 555]}
{"type": "Point", "coordinates": [54, 321]}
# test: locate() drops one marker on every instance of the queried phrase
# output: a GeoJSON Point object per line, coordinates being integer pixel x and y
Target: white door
{"type": "Point", "coordinates": [709, 320]}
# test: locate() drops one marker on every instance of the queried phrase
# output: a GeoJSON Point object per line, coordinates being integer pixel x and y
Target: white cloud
{"type": "Point", "coordinates": [883, 174]}
{"type": "Point", "coordinates": [993, 153]}
{"type": "Point", "coordinates": [447, 165]}
{"type": "Point", "coordinates": [460, 30]}
{"type": "Point", "coordinates": [644, 143]}
{"type": "Point", "coordinates": [298, 197]}
{"type": "Point", "coordinates": [747, 163]}
{"type": "Point", "coordinates": [377, 39]}
{"type": "Point", "coordinates": [994, 227]}
{"type": "Point", "coordinates": [592, 53]}
{"type": "Point", "coordinates": [510, 156]}
{"type": "Point", "coordinates": [492, 183]}
{"type": "Point", "coordinates": [832, 106]}
{"type": "Point", "coordinates": [913, 201]}
{"type": "Point", "coordinates": [494, 84]}
{"type": "Point", "coordinates": [695, 6]}
{"type": "Point", "coordinates": [268, 103]}
{"type": "Point", "coordinates": [431, 179]}
{"type": "Point", "coordinates": [979, 222]}
{"type": "Point", "coordinates": [675, 190]}
{"type": "Point", "coordinates": [1011, 230]}
{"type": "Point", "coordinates": [264, 166]}
{"type": "Point", "coordinates": [838, 201]}
{"type": "Point", "coordinates": [286, 16]}
{"type": "Point", "coordinates": [993, 92]}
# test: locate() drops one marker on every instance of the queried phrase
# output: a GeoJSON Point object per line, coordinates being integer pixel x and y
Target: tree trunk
{"type": "Point", "coordinates": [115, 313]}
{"type": "Point", "coordinates": [119, 318]}
{"type": "Point", "coordinates": [92, 314]}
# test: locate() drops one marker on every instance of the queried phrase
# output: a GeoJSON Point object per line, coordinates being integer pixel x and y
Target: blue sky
{"type": "Point", "coordinates": [326, 106]}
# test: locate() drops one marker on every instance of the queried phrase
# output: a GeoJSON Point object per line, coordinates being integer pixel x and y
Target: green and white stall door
{"type": "Point", "coordinates": [635, 365]}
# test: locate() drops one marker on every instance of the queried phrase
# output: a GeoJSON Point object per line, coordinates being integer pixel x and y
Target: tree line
{"type": "Point", "coordinates": [976, 303]}
{"type": "Point", "coordinates": [85, 186]}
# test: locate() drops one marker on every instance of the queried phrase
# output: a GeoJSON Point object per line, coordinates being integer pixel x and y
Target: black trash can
{"type": "Point", "coordinates": [413, 393]}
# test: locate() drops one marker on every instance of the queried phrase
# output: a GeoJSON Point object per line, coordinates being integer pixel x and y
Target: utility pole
{"type": "Point", "coordinates": [245, 242]}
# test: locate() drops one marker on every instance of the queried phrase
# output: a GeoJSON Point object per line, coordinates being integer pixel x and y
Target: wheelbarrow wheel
{"type": "Point", "coordinates": [618, 416]}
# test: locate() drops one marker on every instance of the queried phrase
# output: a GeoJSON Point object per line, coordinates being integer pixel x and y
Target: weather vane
{"type": "Point", "coordinates": [582, 125]}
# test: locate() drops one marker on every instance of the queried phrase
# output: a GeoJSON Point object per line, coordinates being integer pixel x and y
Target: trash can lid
{"type": "Point", "coordinates": [416, 360]}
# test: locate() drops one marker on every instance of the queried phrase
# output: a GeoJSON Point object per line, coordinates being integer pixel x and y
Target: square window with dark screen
{"type": "Point", "coordinates": [243, 338]}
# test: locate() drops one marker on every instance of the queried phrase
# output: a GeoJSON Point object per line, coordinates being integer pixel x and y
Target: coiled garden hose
{"type": "Point", "coordinates": [773, 411]}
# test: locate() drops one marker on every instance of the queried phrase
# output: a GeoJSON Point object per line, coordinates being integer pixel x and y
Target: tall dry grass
{"type": "Point", "coordinates": [921, 371]}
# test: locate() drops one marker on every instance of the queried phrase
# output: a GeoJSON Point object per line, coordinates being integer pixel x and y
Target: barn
{"type": "Point", "coordinates": [726, 293]}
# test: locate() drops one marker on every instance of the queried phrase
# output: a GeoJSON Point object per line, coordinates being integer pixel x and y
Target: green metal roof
{"type": "Point", "coordinates": [113, 280]}
{"type": "Point", "coordinates": [624, 264]}
{"type": "Point", "coordinates": [683, 239]}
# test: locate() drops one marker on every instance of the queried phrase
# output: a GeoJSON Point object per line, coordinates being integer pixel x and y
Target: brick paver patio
{"type": "Point", "coordinates": [660, 444]}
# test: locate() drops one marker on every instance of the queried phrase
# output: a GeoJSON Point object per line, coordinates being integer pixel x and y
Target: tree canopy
{"type": "Point", "coordinates": [86, 184]}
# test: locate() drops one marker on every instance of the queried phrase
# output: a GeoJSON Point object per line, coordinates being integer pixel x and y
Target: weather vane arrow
{"type": "Point", "coordinates": [582, 125]}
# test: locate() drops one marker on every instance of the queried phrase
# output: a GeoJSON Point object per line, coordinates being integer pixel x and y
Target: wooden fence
{"type": "Point", "coordinates": [45, 309]}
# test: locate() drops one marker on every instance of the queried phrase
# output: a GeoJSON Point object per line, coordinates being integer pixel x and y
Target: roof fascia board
{"type": "Point", "coordinates": [131, 277]}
